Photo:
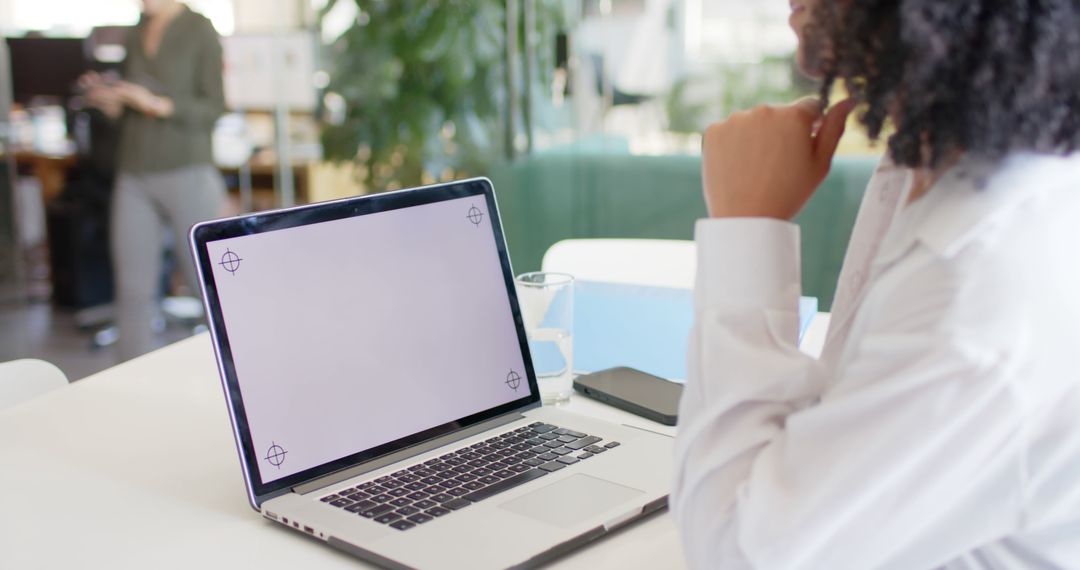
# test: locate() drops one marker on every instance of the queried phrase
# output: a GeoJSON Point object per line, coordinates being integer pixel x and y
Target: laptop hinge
{"type": "Point", "coordinates": [424, 447]}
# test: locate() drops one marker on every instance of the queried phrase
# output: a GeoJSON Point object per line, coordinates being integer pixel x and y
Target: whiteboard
{"type": "Point", "coordinates": [263, 70]}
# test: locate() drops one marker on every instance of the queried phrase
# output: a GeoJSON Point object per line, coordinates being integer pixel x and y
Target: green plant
{"type": "Point", "coordinates": [423, 84]}
{"type": "Point", "coordinates": [694, 102]}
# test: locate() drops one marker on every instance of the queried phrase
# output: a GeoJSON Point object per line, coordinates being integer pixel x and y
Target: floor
{"type": "Point", "coordinates": [38, 330]}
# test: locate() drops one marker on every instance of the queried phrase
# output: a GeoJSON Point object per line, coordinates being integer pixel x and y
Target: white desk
{"type": "Point", "coordinates": [135, 467]}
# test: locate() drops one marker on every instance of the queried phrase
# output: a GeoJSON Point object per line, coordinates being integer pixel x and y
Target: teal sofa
{"type": "Point", "coordinates": [552, 196]}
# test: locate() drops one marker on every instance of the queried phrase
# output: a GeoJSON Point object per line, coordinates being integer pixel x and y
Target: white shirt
{"type": "Point", "coordinates": [941, 426]}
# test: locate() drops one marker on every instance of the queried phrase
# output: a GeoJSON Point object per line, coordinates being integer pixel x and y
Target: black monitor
{"type": "Point", "coordinates": [46, 67]}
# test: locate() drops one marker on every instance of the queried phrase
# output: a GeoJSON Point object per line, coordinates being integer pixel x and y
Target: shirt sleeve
{"type": "Point", "coordinates": [200, 108]}
{"type": "Point", "coordinates": [773, 470]}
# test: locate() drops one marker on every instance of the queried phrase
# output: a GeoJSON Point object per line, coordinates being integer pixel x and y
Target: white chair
{"type": "Point", "coordinates": [25, 379]}
{"type": "Point", "coordinates": [655, 262]}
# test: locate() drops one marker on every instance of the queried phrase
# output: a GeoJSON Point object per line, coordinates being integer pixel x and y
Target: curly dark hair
{"type": "Point", "coordinates": [986, 77]}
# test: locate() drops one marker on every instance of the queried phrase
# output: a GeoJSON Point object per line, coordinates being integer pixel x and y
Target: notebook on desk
{"type": "Point", "coordinates": [639, 326]}
{"type": "Point", "coordinates": [382, 394]}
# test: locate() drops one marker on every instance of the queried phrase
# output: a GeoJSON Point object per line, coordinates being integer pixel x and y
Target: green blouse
{"type": "Point", "coordinates": [187, 69]}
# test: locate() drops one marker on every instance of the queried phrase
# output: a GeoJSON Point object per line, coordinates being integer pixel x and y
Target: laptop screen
{"type": "Point", "coordinates": [351, 334]}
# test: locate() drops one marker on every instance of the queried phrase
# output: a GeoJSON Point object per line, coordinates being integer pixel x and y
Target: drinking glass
{"type": "Point", "coordinates": [547, 306]}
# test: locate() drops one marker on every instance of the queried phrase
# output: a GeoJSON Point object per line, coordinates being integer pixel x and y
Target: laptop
{"type": "Point", "coordinates": [382, 394]}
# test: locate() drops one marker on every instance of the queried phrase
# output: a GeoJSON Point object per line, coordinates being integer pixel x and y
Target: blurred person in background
{"type": "Point", "coordinates": [941, 426]}
{"type": "Point", "coordinates": [167, 101]}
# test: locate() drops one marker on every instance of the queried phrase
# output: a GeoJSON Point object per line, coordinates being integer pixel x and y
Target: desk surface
{"type": "Point", "coordinates": [135, 467]}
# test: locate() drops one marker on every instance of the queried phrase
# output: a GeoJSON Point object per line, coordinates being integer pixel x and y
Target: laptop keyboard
{"type": "Point", "coordinates": [439, 486]}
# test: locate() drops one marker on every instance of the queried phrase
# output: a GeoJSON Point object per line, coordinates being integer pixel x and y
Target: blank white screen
{"type": "Point", "coordinates": [357, 332]}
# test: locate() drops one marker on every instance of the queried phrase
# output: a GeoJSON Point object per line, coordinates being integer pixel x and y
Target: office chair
{"type": "Point", "coordinates": [26, 379]}
{"type": "Point", "coordinates": [655, 262]}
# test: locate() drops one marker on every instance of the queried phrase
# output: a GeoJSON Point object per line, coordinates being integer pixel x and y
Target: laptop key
{"type": "Point", "coordinates": [561, 451]}
{"type": "Point", "coordinates": [473, 485]}
{"type": "Point", "coordinates": [520, 467]}
{"type": "Point", "coordinates": [399, 492]}
{"type": "Point", "coordinates": [387, 518]}
{"type": "Point", "coordinates": [539, 449]}
{"type": "Point", "coordinates": [402, 524]}
{"type": "Point", "coordinates": [458, 491]}
{"type": "Point", "coordinates": [456, 504]}
{"type": "Point", "coordinates": [595, 449]}
{"type": "Point", "coordinates": [534, 462]}
{"type": "Point", "coordinates": [504, 485]}
{"type": "Point", "coordinates": [437, 511]}
{"type": "Point", "coordinates": [341, 503]}
{"type": "Point", "coordinates": [543, 428]}
{"type": "Point", "coordinates": [399, 473]}
{"type": "Point", "coordinates": [329, 498]}
{"type": "Point", "coordinates": [383, 498]}
{"type": "Point", "coordinates": [376, 511]}
{"type": "Point", "coordinates": [612, 444]}
{"type": "Point", "coordinates": [561, 431]}
{"type": "Point", "coordinates": [358, 496]}
{"type": "Point", "coordinates": [552, 466]}
{"type": "Point", "coordinates": [481, 472]}
{"type": "Point", "coordinates": [548, 436]}
{"type": "Point", "coordinates": [489, 479]}
{"type": "Point", "coordinates": [425, 504]}
{"type": "Point", "coordinates": [584, 455]}
{"type": "Point", "coordinates": [547, 456]}
{"type": "Point", "coordinates": [361, 506]}
{"type": "Point", "coordinates": [466, 477]}
{"type": "Point", "coordinates": [568, 460]}
{"type": "Point", "coordinates": [567, 438]}
{"type": "Point", "coordinates": [433, 490]}
{"type": "Point", "coordinates": [575, 433]}
{"type": "Point", "coordinates": [583, 443]}
{"type": "Point", "coordinates": [375, 490]}
{"type": "Point", "coordinates": [553, 444]}
{"type": "Point", "coordinates": [503, 474]}
{"type": "Point", "coordinates": [419, 518]}
{"type": "Point", "coordinates": [415, 486]}
{"type": "Point", "coordinates": [408, 478]}
{"type": "Point", "coordinates": [442, 497]}
{"type": "Point", "coordinates": [402, 502]}
{"type": "Point", "coordinates": [406, 511]}
{"type": "Point", "coordinates": [417, 496]}
{"type": "Point", "coordinates": [383, 479]}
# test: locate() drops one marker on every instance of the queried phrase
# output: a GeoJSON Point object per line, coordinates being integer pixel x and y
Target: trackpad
{"type": "Point", "coordinates": [571, 500]}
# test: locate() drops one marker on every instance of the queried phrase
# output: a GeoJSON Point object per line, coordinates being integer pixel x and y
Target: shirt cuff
{"type": "Point", "coordinates": [747, 262]}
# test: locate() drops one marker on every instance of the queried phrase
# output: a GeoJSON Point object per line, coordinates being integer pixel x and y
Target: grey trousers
{"type": "Point", "coordinates": [145, 208]}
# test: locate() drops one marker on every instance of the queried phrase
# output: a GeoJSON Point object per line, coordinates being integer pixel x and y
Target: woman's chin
{"type": "Point", "coordinates": [808, 65]}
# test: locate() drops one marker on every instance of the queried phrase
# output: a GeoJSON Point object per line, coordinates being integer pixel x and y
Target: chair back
{"type": "Point", "coordinates": [26, 379]}
{"type": "Point", "coordinates": [654, 262]}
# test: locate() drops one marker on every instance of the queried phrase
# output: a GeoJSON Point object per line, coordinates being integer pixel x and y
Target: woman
{"type": "Point", "coordinates": [941, 426]}
{"type": "Point", "coordinates": [168, 103]}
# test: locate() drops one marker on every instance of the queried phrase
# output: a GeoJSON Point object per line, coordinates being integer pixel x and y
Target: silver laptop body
{"type": "Point", "coordinates": [382, 393]}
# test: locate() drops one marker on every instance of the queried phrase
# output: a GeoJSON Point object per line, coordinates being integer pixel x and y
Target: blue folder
{"type": "Point", "coordinates": [642, 327]}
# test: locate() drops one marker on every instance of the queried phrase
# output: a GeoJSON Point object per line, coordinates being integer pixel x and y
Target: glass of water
{"type": "Point", "coordinates": [547, 306]}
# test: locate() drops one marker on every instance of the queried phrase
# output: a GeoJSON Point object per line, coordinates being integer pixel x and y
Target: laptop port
{"type": "Point", "coordinates": [309, 530]}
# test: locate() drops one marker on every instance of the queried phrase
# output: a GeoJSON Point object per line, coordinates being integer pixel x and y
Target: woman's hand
{"type": "Point", "coordinates": [767, 162]}
{"type": "Point", "coordinates": [143, 100]}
